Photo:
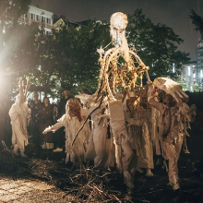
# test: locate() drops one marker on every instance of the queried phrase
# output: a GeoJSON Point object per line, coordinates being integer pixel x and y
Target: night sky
{"type": "Point", "coordinates": [173, 13]}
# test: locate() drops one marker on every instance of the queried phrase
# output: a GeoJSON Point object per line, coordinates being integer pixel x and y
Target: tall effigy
{"type": "Point", "coordinates": [121, 67]}
{"type": "Point", "coordinates": [121, 74]}
{"type": "Point", "coordinates": [122, 71]}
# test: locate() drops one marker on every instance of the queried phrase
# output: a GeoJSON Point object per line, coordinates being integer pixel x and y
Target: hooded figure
{"type": "Point", "coordinates": [19, 114]}
{"type": "Point", "coordinates": [167, 97]}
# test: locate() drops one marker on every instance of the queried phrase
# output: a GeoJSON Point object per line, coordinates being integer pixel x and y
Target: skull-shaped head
{"type": "Point", "coordinates": [118, 23]}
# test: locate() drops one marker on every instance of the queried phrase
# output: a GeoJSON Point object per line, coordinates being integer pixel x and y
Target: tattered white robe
{"type": "Point", "coordinates": [83, 148]}
{"type": "Point", "coordinates": [104, 147]}
{"type": "Point", "coordinates": [19, 114]}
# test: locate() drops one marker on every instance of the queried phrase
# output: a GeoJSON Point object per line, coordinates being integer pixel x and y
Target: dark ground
{"type": "Point", "coordinates": [90, 185]}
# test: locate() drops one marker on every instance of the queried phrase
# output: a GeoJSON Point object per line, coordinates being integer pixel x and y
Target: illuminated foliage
{"type": "Point", "coordinates": [16, 43]}
{"type": "Point", "coordinates": [75, 61]}
{"type": "Point", "coordinates": [156, 45]}
{"type": "Point", "coordinates": [69, 56]}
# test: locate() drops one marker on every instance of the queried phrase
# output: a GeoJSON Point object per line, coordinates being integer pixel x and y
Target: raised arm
{"type": "Point", "coordinates": [152, 98]}
{"type": "Point", "coordinates": [53, 128]}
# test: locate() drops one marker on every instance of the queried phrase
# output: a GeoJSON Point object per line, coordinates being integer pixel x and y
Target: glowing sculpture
{"type": "Point", "coordinates": [121, 67]}
{"type": "Point", "coordinates": [121, 70]}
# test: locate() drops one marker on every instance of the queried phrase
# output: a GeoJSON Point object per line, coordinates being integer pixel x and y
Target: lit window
{"type": "Point", "coordinates": [32, 16]}
{"type": "Point", "coordinates": [188, 70]}
{"type": "Point", "coordinates": [173, 68]}
{"type": "Point", "coordinates": [201, 74]}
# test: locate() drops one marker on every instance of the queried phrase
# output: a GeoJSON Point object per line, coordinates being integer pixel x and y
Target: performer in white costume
{"type": "Point", "coordinates": [102, 137]}
{"type": "Point", "coordinates": [114, 77]}
{"type": "Point", "coordinates": [19, 115]}
{"type": "Point", "coordinates": [72, 121]}
{"type": "Point", "coordinates": [167, 97]}
{"type": "Point", "coordinates": [139, 125]}
{"type": "Point", "coordinates": [125, 157]}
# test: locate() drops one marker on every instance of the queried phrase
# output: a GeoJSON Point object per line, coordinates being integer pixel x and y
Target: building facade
{"type": "Point", "coordinates": [188, 78]}
{"type": "Point", "coordinates": [199, 55]}
{"type": "Point", "coordinates": [41, 16]}
{"type": "Point", "coordinates": [191, 77]}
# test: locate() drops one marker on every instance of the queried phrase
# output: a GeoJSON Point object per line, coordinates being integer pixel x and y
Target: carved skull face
{"type": "Point", "coordinates": [119, 21]}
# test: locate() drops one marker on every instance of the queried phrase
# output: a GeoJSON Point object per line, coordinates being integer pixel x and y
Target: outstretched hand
{"type": "Point", "coordinates": [152, 91]}
{"type": "Point", "coordinates": [29, 136]}
{"type": "Point", "coordinates": [103, 116]}
{"type": "Point", "coordinates": [46, 130]}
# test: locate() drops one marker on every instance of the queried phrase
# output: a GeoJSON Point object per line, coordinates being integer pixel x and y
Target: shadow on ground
{"type": "Point", "coordinates": [90, 185]}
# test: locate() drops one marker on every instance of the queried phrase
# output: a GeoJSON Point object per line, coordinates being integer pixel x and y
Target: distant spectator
{"type": "Point", "coordinates": [45, 120]}
{"type": "Point", "coordinates": [35, 106]}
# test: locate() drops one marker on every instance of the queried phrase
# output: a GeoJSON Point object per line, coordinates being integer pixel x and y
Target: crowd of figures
{"type": "Point", "coordinates": [29, 119]}
{"type": "Point", "coordinates": [124, 134]}
{"type": "Point", "coordinates": [44, 114]}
